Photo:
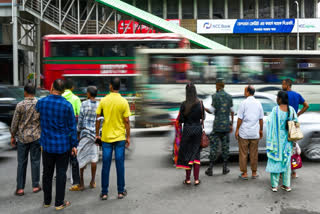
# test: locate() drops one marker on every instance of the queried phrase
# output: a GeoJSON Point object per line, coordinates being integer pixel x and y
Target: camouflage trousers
{"type": "Point", "coordinates": [216, 138]}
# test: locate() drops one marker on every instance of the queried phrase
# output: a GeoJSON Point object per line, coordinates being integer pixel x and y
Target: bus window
{"type": "Point", "coordinates": [60, 49]}
{"type": "Point", "coordinates": [79, 49]}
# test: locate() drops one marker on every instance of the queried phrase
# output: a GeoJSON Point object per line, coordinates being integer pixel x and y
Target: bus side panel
{"type": "Point", "coordinates": [51, 76]}
{"type": "Point", "coordinates": [46, 49]}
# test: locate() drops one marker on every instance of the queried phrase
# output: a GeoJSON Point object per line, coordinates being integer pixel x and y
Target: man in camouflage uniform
{"type": "Point", "coordinates": [222, 104]}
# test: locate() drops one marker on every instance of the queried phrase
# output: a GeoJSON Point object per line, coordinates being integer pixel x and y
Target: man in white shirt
{"type": "Point", "coordinates": [249, 131]}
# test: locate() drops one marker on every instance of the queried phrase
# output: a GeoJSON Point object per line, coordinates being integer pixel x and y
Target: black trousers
{"type": "Point", "coordinates": [75, 170]}
{"type": "Point", "coordinates": [50, 161]}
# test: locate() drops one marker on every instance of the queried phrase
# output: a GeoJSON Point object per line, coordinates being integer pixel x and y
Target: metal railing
{"type": "Point", "coordinates": [65, 16]}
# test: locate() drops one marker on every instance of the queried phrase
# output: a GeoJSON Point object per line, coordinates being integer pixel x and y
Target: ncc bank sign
{"type": "Point", "coordinates": [230, 26]}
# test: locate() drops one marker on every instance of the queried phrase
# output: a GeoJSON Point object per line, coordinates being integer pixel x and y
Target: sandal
{"type": "Point", "coordinates": [76, 188]}
{"type": "Point", "coordinates": [285, 188]}
{"type": "Point", "coordinates": [103, 197]}
{"type": "Point", "coordinates": [46, 205]}
{"type": "Point", "coordinates": [93, 185]}
{"type": "Point", "coordinates": [64, 205]}
{"type": "Point", "coordinates": [187, 182]}
{"type": "Point", "coordinates": [274, 189]}
{"type": "Point", "coordinates": [197, 183]}
{"type": "Point", "coordinates": [122, 195]}
{"type": "Point", "coordinates": [38, 189]}
{"type": "Point", "coordinates": [255, 176]}
{"type": "Point", "coordinates": [243, 178]}
{"type": "Point", "coordinates": [19, 193]}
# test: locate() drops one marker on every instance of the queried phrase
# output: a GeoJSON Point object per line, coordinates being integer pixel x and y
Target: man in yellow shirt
{"type": "Point", "coordinates": [115, 136]}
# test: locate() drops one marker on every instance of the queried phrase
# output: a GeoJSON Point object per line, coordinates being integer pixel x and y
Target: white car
{"type": "Point", "coordinates": [5, 136]}
{"type": "Point", "coordinates": [310, 126]}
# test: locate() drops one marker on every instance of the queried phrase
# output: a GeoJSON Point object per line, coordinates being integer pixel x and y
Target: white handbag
{"type": "Point", "coordinates": [294, 131]}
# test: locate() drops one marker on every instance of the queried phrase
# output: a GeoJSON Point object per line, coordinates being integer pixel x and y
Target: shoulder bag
{"type": "Point", "coordinates": [204, 137]}
{"type": "Point", "coordinates": [294, 131]}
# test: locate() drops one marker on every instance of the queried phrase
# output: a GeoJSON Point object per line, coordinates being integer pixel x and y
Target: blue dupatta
{"type": "Point", "coordinates": [274, 149]}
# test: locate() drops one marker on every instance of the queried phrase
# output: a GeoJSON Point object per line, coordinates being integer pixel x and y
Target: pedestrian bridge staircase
{"type": "Point", "coordinates": [101, 17]}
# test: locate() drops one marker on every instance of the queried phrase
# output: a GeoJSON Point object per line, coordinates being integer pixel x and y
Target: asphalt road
{"type": "Point", "coordinates": [154, 186]}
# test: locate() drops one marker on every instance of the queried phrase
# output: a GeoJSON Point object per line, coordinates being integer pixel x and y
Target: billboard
{"type": "Point", "coordinates": [243, 26]}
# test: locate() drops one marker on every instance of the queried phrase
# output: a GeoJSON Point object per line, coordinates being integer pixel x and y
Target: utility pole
{"type": "Point", "coordinates": [15, 43]}
{"type": "Point", "coordinates": [298, 39]}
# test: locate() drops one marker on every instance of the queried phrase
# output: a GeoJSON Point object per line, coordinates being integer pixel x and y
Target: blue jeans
{"type": "Point", "coordinates": [107, 149]}
{"type": "Point", "coordinates": [35, 155]}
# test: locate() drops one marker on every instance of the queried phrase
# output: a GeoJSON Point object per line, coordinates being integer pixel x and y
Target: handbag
{"type": "Point", "coordinates": [204, 138]}
{"type": "Point", "coordinates": [296, 162]}
{"type": "Point", "coordinates": [294, 131]}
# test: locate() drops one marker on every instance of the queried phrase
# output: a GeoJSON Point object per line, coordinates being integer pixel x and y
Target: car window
{"type": "Point", "coordinates": [236, 103]}
{"type": "Point", "coordinates": [2, 93]}
{"type": "Point", "coordinates": [267, 104]}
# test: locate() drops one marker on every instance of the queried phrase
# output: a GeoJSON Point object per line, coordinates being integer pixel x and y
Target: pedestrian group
{"type": "Point", "coordinates": [249, 130]}
{"type": "Point", "coordinates": [64, 131]}
{"type": "Point", "coordinates": [69, 132]}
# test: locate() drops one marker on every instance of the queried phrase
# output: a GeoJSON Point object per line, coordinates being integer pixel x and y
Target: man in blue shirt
{"type": "Point", "coordinates": [295, 99]}
{"type": "Point", "coordinates": [58, 140]}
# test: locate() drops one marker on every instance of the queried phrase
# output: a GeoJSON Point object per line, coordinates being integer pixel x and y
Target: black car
{"type": "Point", "coordinates": [10, 96]}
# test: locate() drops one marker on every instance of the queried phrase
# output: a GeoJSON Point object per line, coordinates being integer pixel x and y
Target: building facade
{"type": "Point", "coordinates": [219, 21]}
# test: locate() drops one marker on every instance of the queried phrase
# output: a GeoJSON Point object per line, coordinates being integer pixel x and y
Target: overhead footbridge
{"type": "Point", "coordinates": [103, 17]}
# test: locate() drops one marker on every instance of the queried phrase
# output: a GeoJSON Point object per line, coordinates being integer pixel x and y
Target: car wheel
{"type": "Point", "coordinates": [312, 152]}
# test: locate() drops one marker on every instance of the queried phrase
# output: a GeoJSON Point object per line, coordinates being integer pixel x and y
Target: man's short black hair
{"type": "Point", "coordinates": [288, 82]}
{"type": "Point", "coordinates": [115, 82]}
{"type": "Point", "coordinates": [30, 88]}
{"type": "Point", "coordinates": [59, 85]}
{"type": "Point", "coordinates": [251, 90]}
{"type": "Point", "coordinates": [92, 90]}
{"type": "Point", "coordinates": [69, 84]}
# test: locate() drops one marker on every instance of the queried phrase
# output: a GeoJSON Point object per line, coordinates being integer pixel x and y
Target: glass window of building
{"type": "Point", "coordinates": [250, 42]}
{"type": "Point", "coordinates": [293, 42]}
{"type": "Point", "coordinates": [142, 4]}
{"type": "Point", "coordinates": [218, 9]}
{"type": "Point", "coordinates": [279, 42]}
{"type": "Point", "coordinates": [233, 9]}
{"type": "Point", "coordinates": [203, 9]}
{"type": "Point", "coordinates": [265, 42]}
{"type": "Point", "coordinates": [280, 9]}
{"type": "Point", "coordinates": [128, 1]}
{"type": "Point", "coordinates": [309, 9]}
{"type": "Point", "coordinates": [234, 42]}
{"type": "Point", "coordinates": [309, 42]}
{"type": "Point", "coordinates": [187, 9]}
{"type": "Point", "coordinates": [221, 39]}
{"type": "Point", "coordinates": [172, 9]}
{"type": "Point", "coordinates": [264, 9]}
{"type": "Point", "coordinates": [293, 9]}
{"type": "Point", "coordinates": [249, 7]}
{"type": "Point", "coordinates": [157, 7]}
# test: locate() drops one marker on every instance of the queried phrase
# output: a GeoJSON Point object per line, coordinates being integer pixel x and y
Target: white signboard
{"type": "Point", "coordinates": [307, 26]}
{"type": "Point", "coordinates": [215, 26]}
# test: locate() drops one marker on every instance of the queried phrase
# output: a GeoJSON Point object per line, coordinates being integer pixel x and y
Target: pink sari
{"type": "Point", "coordinates": [177, 139]}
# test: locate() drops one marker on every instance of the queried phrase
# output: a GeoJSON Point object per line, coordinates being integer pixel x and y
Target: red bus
{"type": "Point", "coordinates": [94, 59]}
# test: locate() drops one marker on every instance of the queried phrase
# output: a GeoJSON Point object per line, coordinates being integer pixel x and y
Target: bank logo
{"type": "Point", "coordinates": [207, 25]}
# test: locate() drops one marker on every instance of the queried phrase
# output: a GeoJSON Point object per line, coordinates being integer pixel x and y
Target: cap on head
{"type": "Point", "coordinates": [220, 82]}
